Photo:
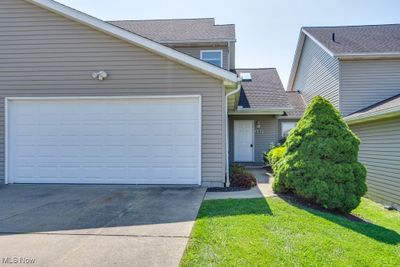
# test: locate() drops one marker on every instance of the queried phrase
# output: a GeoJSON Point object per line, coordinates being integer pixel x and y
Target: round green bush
{"type": "Point", "coordinates": [321, 161]}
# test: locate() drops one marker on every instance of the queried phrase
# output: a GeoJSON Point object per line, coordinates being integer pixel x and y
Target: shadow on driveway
{"type": "Point", "coordinates": [48, 208]}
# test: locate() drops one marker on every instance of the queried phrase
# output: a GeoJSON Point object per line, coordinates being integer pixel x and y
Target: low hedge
{"type": "Point", "coordinates": [243, 180]}
{"type": "Point", "coordinates": [240, 178]}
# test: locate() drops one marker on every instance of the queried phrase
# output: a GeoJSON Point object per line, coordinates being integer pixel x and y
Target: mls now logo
{"type": "Point", "coordinates": [18, 260]}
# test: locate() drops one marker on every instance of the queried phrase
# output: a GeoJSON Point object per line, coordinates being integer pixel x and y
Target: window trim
{"type": "Point", "coordinates": [218, 50]}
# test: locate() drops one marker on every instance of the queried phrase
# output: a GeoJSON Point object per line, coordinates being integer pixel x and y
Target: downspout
{"type": "Point", "coordinates": [239, 86]}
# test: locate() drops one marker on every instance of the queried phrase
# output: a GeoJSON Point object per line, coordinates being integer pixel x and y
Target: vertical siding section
{"type": "Point", "coordinates": [365, 82]}
{"type": "Point", "coordinates": [267, 134]}
{"type": "Point", "coordinates": [44, 54]}
{"type": "Point", "coordinates": [317, 74]}
{"type": "Point", "coordinates": [380, 152]}
{"type": "Point", "coordinates": [194, 51]}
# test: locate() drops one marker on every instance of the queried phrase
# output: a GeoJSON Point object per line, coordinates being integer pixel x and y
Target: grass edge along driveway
{"type": "Point", "coordinates": [278, 232]}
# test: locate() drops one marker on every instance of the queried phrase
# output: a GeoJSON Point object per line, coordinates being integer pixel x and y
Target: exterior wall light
{"type": "Point", "coordinates": [101, 75]}
{"type": "Point", "coordinates": [258, 124]}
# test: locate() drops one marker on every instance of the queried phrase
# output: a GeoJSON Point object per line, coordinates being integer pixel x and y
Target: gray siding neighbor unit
{"type": "Point", "coordinates": [317, 74]}
{"type": "Point", "coordinates": [380, 153]}
{"type": "Point", "coordinates": [45, 54]}
{"type": "Point", "coordinates": [263, 137]}
{"type": "Point", "coordinates": [366, 82]}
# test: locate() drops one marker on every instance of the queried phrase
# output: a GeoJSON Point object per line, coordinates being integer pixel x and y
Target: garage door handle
{"type": "Point", "coordinates": [251, 145]}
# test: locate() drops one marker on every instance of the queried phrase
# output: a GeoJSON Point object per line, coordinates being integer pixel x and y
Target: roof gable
{"type": "Point", "coordinates": [226, 76]}
{"type": "Point", "coordinates": [350, 42]}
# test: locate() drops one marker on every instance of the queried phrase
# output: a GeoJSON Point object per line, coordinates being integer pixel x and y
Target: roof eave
{"type": "Point", "coordinates": [378, 115]}
{"type": "Point", "coordinates": [367, 56]}
{"type": "Point", "coordinates": [157, 48]}
{"type": "Point", "coordinates": [203, 41]}
{"type": "Point", "coordinates": [253, 111]}
{"type": "Point", "coordinates": [296, 59]}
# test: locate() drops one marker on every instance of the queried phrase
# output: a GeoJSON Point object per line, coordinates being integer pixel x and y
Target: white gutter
{"type": "Point", "coordinates": [239, 86]}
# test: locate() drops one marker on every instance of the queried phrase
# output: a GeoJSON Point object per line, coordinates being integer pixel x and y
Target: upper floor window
{"type": "Point", "coordinates": [212, 56]}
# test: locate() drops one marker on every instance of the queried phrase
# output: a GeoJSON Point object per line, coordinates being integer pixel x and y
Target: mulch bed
{"type": "Point", "coordinates": [226, 189]}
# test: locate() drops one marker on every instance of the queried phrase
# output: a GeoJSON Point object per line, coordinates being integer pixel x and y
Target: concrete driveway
{"type": "Point", "coordinates": [71, 225]}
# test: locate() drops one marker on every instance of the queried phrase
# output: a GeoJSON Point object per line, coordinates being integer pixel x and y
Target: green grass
{"type": "Point", "coordinates": [275, 232]}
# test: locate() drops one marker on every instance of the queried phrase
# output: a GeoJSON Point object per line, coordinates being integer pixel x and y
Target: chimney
{"type": "Point", "coordinates": [333, 37]}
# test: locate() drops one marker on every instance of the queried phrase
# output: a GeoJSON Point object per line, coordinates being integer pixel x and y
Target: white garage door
{"type": "Point", "coordinates": [104, 140]}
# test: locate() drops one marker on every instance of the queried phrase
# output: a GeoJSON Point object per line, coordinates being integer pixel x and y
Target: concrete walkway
{"type": "Point", "coordinates": [263, 188]}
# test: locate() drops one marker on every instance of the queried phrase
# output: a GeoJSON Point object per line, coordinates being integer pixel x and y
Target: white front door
{"type": "Point", "coordinates": [243, 140]}
{"type": "Point", "coordinates": [104, 141]}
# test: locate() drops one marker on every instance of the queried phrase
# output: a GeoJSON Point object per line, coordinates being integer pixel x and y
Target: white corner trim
{"type": "Point", "coordinates": [200, 137]}
{"type": "Point", "coordinates": [381, 114]}
{"type": "Point", "coordinates": [136, 39]}
{"type": "Point", "coordinates": [218, 50]}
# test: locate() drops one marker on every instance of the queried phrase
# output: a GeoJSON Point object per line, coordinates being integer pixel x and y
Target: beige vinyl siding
{"type": "Point", "coordinates": [317, 74]}
{"type": "Point", "coordinates": [365, 82]}
{"type": "Point", "coordinates": [263, 137]}
{"type": "Point", "coordinates": [194, 51]}
{"type": "Point", "coordinates": [380, 152]}
{"type": "Point", "coordinates": [44, 54]}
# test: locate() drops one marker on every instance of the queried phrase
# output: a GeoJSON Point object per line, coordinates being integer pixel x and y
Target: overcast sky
{"type": "Point", "coordinates": [267, 30]}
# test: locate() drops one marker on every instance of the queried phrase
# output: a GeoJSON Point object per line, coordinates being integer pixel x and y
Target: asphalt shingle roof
{"type": "Point", "coordinates": [298, 103]}
{"type": "Point", "coordinates": [386, 104]}
{"type": "Point", "coordinates": [371, 39]}
{"type": "Point", "coordinates": [264, 91]}
{"type": "Point", "coordinates": [179, 30]}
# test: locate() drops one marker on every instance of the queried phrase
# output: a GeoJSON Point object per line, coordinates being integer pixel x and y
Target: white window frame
{"type": "Point", "coordinates": [206, 51]}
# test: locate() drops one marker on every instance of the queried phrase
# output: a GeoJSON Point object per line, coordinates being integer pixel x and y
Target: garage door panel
{"type": "Point", "coordinates": [132, 141]}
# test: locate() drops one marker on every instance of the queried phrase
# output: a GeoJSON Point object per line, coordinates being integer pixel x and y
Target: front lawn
{"type": "Point", "coordinates": [277, 232]}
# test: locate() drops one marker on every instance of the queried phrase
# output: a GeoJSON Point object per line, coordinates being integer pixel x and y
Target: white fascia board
{"type": "Point", "coordinates": [367, 56]}
{"type": "Point", "coordinates": [318, 43]}
{"type": "Point", "coordinates": [299, 51]}
{"type": "Point", "coordinates": [296, 60]}
{"type": "Point", "coordinates": [382, 114]}
{"type": "Point", "coordinates": [210, 41]}
{"type": "Point", "coordinates": [226, 76]}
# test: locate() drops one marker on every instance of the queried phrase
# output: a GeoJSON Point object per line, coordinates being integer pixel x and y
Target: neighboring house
{"type": "Point", "coordinates": [357, 68]}
{"type": "Point", "coordinates": [128, 102]}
